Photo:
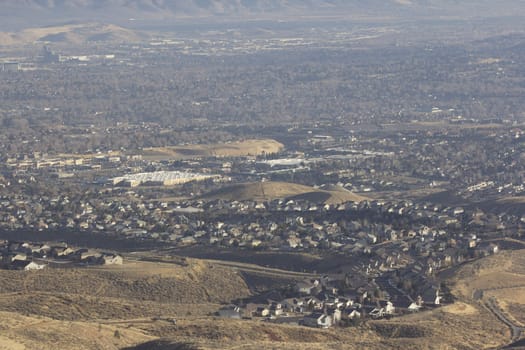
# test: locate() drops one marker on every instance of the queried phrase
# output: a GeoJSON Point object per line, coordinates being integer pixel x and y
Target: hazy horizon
{"type": "Point", "coordinates": [17, 15]}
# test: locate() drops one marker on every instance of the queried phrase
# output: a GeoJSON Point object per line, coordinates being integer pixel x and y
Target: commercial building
{"type": "Point", "coordinates": [159, 178]}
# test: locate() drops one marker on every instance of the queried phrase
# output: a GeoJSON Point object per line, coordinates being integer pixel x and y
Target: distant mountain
{"type": "Point", "coordinates": [16, 14]}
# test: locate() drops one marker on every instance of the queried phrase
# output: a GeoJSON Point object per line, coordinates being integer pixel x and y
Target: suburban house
{"type": "Point", "coordinates": [34, 266]}
{"type": "Point", "coordinates": [112, 259]}
{"type": "Point", "coordinates": [26, 265]}
{"type": "Point", "coordinates": [354, 314]}
{"type": "Point", "coordinates": [307, 287]}
{"type": "Point", "coordinates": [413, 307]}
{"type": "Point", "coordinates": [262, 311]}
{"type": "Point", "coordinates": [318, 320]}
{"type": "Point", "coordinates": [276, 309]}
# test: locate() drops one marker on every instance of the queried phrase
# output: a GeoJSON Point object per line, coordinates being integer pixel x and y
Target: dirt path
{"type": "Point", "coordinates": [243, 267]}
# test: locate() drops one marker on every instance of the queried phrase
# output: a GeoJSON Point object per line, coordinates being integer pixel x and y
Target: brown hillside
{"type": "Point", "coordinates": [267, 191]}
{"type": "Point", "coordinates": [71, 34]}
{"type": "Point", "coordinates": [502, 277]}
{"type": "Point", "coordinates": [232, 149]}
{"type": "Point", "coordinates": [445, 328]}
{"type": "Point", "coordinates": [18, 332]}
{"type": "Point", "coordinates": [135, 289]}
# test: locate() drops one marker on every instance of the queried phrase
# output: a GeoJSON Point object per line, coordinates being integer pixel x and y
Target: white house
{"type": "Point", "coordinates": [20, 256]}
{"type": "Point", "coordinates": [112, 259]}
{"type": "Point", "coordinates": [389, 308]}
{"type": "Point", "coordinates": [413, 307]}
{"type": "Point", "coordinates": [354, 314]}
{"type": "Point", "coordinates": [377, 313]}
{"type": "Point", "coordinates": [32, 266]}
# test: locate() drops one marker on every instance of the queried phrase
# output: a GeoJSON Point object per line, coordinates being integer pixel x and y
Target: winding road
{"type": "Point", "coordinates": [492, 304]}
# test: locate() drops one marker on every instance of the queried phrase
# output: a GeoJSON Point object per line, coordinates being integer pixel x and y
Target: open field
{"type": "Point", "coordinates": [232, 149]}
{"type": "Point", "coordinates": [267, 191]}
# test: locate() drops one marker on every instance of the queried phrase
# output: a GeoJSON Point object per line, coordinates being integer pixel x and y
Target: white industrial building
{"type": "Point", "coordinates": [160, 178]}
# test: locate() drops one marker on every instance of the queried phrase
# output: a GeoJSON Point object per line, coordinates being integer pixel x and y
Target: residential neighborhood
{"type": "Point", "coordinates": [30, 256]}
{"type": "Point", "coordinates": [329, 302]}
{"type": "Point", "coordinates": [263, 174]}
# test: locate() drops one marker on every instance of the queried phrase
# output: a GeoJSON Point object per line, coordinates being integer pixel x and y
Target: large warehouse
{"type": "Point", "coordinates": [159, 178]}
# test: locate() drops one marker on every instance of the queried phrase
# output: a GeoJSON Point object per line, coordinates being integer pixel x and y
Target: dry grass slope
{"type": "Point", "coordinates": [134, 290]}
{"type": "Point", "coordinates": [71, 34]}
{"type": "Point", "coordinates": [233, 149]}
{"type": "Point", "coordinates": [501, 276]}
{"type": "Point", "coordinates": [267, 191]}
{"type": "Point", "coordinates": [27, 333]}
{"type": "Point", "coordinates": [231, 334]}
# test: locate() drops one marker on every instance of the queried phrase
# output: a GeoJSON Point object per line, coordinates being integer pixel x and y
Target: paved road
{"type": "Point", "coordinates": [517, 331]}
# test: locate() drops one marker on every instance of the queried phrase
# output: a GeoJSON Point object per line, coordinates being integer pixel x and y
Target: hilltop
{"type": "Point", "coordinates": [72, 34]}
{"type": "Point", "coordinates": [267, 191]}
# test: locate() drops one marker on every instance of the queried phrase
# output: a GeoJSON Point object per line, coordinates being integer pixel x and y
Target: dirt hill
{"type": "Point", "coordinates": [267, 191]}
{"type": "Point", "coordinates": [133, 290]}
{"type": "Point", "coordinates": [231, 149]}
{"type": "Point", "coordinates": [71, 34]}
